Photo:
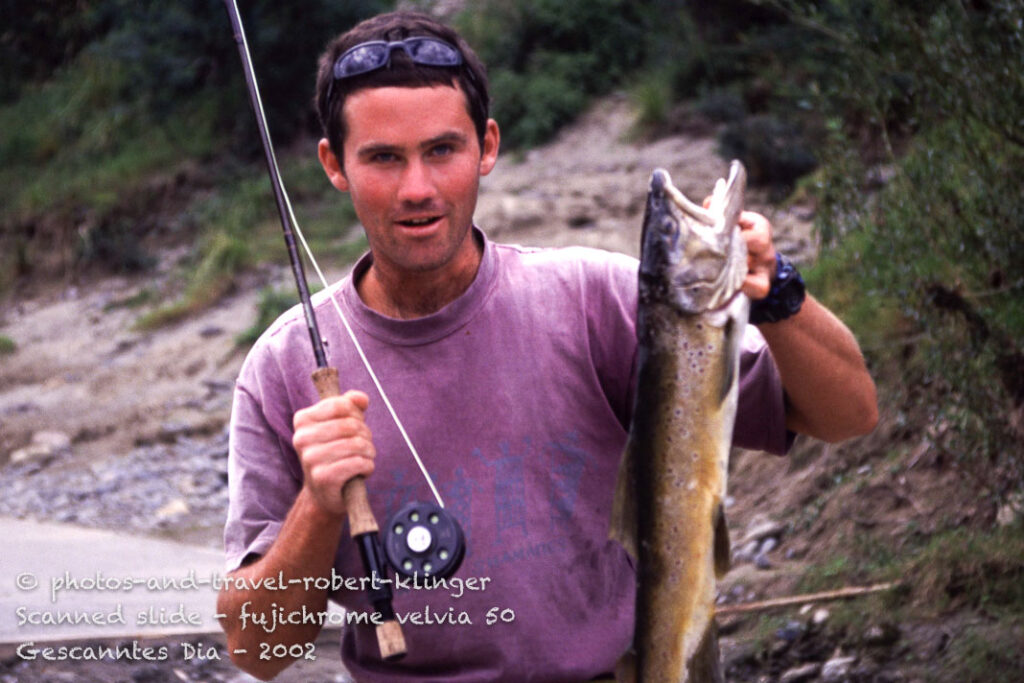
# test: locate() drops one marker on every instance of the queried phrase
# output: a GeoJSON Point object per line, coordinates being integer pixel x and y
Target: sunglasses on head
{"type": "Point", "coordinates": [375, 54]}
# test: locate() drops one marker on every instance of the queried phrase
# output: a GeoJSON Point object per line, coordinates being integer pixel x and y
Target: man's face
{"type": "Point", "coordinates": [412, 165]}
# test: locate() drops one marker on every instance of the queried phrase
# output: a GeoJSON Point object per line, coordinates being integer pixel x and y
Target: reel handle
{"type": "Point", "coordinates": [361, 523]}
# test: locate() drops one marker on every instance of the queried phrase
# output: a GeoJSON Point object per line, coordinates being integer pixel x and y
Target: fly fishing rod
{"type": "Point", "coordinates": [362, 524]}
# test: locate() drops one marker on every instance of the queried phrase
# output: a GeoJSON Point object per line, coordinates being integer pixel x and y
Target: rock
{"type": "Point", "coordinates": [174, 508]}
{"type": "Point", "coordinates": [837, 668]}
{"type": "Point", "coordinates": [580, 219]}
{"type": "Point", "coordinates": [746, 552]}
{"type": "Point", "coordinates": [805, 672]}
{"type": "Point", "coordinates": [769, 544]}
{"type": "Point", "coordinates": [149, 674]}
{"type": "Point", "coordinates": [57, 442]}
{"type": "Point", "coordinates": [736, 653]}
{"type": "Point", "coordinates": [243, 677]}
{"type": "Point", "coordinates": [1011, 511]}
{"type": "Point", "coordinates": [44, 446]}
{"type": "Point", "coordinates": [820, 616]}
{"type": "Point", "coordinates": [790, 632]}
{"type": "Point", "coordinates": [882, 635]}
{"type": "Point", "coordinates": [761, 527]}
{"type": "Point", "coordinates": [762, 562]}
{"type": "Point", "coordinates": [778, 648]}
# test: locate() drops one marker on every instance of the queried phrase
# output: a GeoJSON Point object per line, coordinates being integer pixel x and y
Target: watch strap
{"type": "Point", "coordinates": [785, 297]}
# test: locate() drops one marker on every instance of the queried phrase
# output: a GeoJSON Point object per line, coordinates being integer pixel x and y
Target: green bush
{"type": "Point", "coordinates": [548, 58]}
{"type": "Point", "coordinates": [923, 215]}
{"type": "Point", "coordinates": [141, 102]}
{"type": "Point", "coordinates": [774, 151]}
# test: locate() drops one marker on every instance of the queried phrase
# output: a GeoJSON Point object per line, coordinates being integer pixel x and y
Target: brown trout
{"type": "Point", "coordinates": [668, 503]}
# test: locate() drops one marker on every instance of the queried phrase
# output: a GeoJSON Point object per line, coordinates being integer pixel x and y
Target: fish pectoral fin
{"type": "Point", "coordinates": [723, 548]}
{"type": "Point", "coordinates": [625, 668]}
{"type": "Point", "coordinates": [733, 339]}
{"type": "Point", "coordinates": [623, 523]}
{"type": "Point", "coordinates": [706, 663]}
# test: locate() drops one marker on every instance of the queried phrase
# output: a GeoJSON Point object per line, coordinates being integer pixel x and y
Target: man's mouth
{"type": "Point", "coordinates": [419, 222]}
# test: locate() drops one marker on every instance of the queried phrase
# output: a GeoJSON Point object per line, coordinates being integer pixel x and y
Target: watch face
{"type": "Point", "coordinates": [791, 299]}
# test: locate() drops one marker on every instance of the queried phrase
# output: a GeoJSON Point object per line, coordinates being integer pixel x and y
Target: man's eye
{"type": "Point", "coordinates": [384, 157]}
{"type": "Point", "coordinates": [442, 150]}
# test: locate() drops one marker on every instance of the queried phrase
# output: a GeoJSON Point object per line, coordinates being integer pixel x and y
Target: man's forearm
{"type": "Point", "coordinates": [831, 395]}
{"type": "Point", "coordinates": [304, 549]}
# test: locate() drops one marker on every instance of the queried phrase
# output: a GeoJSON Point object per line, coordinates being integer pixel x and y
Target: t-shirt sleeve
{"type": "Point", "coordinates": [264, 476]}
{"type": "Point", "coordinates": [609, 292]}
{"type": "Point", "coordinates": [761, 412]}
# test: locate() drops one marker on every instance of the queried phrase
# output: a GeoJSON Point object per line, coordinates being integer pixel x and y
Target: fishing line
{"type": "Point", "coordinates": [279, 185]}
{"type": "Point", "coordinates": [362, 356]}
{"type": "Point", "coordinates": [422, 538]}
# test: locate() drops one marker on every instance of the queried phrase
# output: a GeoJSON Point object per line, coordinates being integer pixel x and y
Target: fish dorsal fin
{"type": "Point", "coordinates": [623, 527]}
{"type": "Point", "coordinates": [723, 550]}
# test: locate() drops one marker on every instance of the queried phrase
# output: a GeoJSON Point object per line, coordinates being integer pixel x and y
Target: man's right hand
{"type": "Point", "coordinates": [334, 444]}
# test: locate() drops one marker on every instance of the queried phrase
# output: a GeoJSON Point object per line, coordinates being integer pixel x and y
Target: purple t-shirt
{"type": "Point", "coordinates": [517, 396]}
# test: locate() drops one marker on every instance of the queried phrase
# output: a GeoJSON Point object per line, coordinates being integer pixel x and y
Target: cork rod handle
{"type": "Point", "coordinates": [360, 516]}
{"type": "Point", "coordinates": [361, 520]}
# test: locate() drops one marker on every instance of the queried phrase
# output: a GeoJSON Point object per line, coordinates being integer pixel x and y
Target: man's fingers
{"type": "Point", "coordinates": [358, 445]}
{"type": "Point", "coordinates": [756, 285]}
{"type": "Point", "coordinates": [757, 230]}
{"type": "Point", "coordinates": [351, 403]}
{"type": "Point", "coordinates": [334, 444]}
{"type": "Point", "coordinates": [314, 433]}
{"type": "Point", "coordinates": [325, 480]}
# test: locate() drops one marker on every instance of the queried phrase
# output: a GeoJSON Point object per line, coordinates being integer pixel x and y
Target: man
{"type": "Point", "coordinates": [511, 369]}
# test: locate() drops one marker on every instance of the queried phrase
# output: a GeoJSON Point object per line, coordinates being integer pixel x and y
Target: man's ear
{"type": "Point", "coordinates": [489, 154]}
{"type": "Point", "coordinates": [331, 165]}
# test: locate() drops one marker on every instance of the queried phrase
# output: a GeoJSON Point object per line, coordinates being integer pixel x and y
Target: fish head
{"type": "Point", "coordinates": [692, 257]}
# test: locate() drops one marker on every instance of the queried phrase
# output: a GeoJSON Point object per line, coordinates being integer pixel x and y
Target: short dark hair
{"type": "Point", "coordinates": [471, 76]}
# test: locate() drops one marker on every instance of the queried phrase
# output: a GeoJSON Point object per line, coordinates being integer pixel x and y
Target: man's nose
{"type": "Point", "coordinates": [417, 185]}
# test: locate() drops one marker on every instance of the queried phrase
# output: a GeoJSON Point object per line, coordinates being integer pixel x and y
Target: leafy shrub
{"type": "Point", "coordinates": [773, 151]}
{"type": "Point", "coordinates": [547, 58]}
{"type": "Point", "coordinates": [940, 244]}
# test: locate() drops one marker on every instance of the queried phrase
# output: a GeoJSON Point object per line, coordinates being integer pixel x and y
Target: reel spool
{"type": "Point", "coordinates": [423, 539]}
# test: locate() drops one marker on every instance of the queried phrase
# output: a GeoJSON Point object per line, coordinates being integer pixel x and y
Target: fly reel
{"type": "Point", "coordinates": [424, 539]}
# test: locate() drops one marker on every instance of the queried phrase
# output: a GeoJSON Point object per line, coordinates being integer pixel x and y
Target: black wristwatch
{"type": "Point", "coordinates": [785, 297]}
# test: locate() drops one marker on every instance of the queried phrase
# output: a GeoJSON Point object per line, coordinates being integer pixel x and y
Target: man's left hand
{"type": "Point", "coordinates": [757, 231]}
